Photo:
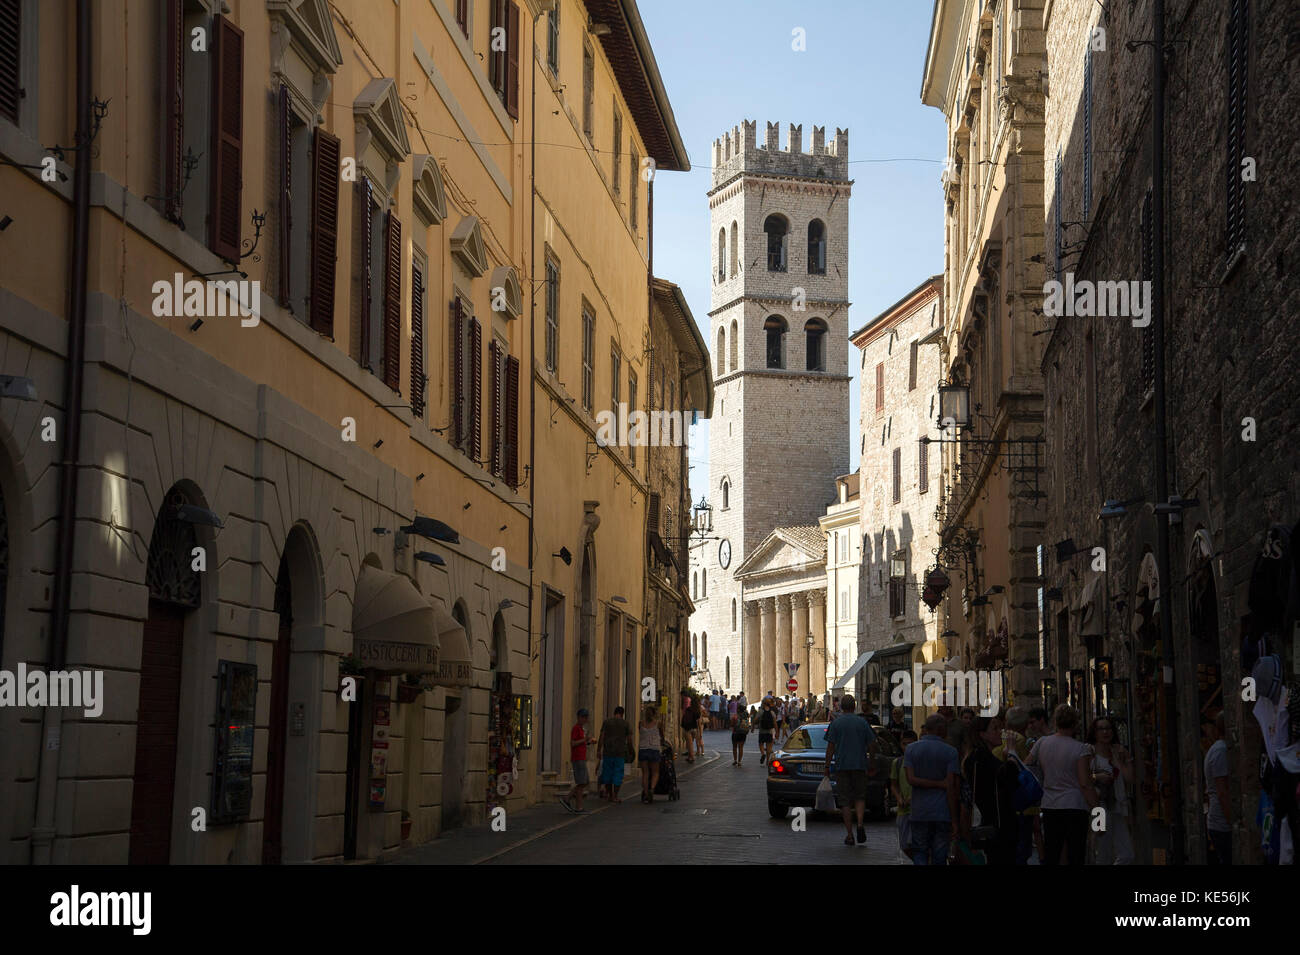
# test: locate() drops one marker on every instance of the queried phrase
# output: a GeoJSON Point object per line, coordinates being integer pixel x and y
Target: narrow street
{"type": "Point", "coordinates": [721, 817]}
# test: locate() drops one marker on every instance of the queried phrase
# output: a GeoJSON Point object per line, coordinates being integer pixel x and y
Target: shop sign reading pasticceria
{"type": "Point", "coordinates": [397, 657]}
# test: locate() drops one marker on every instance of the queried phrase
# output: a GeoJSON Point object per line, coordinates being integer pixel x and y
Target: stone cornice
{"type": "Point", "coordinates": [788, 183]}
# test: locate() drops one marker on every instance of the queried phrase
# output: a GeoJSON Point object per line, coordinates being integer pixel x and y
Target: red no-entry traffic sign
{"type": "Point", "coordinates": [792, 684]}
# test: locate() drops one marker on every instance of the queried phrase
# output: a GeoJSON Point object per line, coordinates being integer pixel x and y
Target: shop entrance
{"type": "Point", "coordinates": [273, 814]}
{"type": "Point", "coordinates": [453, 762]}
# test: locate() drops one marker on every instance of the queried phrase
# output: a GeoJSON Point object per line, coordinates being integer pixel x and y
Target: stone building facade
{"type": "Point", "coordinates": [984, 69]}
{"type": "Point", "coordinates": [842, 527]}
{"type": "Point", "coordinates": [900, 470]}
{"type": "Point", "coordinates": [1228, 241]}
{"type": "Point", "coordinates": [779, 330]}
{"type": "Point", "coordinates": [300, 545]}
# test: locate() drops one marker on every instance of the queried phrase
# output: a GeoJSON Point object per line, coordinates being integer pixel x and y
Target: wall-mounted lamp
{"type": "Point", "coordinates": [505, 604]}
{"type": "Point", "coordinates": [564, 555]}
{"type": "Point", "coordinates": [13, 386]}
{"type": "Point", "coordinates": [618, 599]}
{"type": "Point", "coordinates": [433, 529]}
{"type": "Point", "coordinates": [430, 558]}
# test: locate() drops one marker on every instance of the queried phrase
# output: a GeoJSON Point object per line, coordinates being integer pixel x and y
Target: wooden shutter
{"type": "Point", "coordinates": [512, 421]}
{"type": "Point", "coordinates": [393, 303]}
{"type": "Point", "coordinates": [362, 218]}
{"type": "Point", "coordinates": [898, 475]}
{"type": "Point", "coordinates": [173, 108]}
{"type": "Point", "coordinates": [324, 229]}
{"type": "Point", "coordinates": [496, 58]}
{"type": "Point", "coordinates": [462, 16]}
{"type": "Point", "coordinates": [227, 139]}
{"type": "Point", "coordinates": [880, 386]}
{"type": "Point", "coordinates": [652, 513]}
{"type": "Point", "coordinates": [475, 389]}
{"type": "Point", "coordinates": [285, 129]}
{"type": "Point", "coordinates": [458, 429]}
{"type": "Point", "coordinates": [417, 340]}
{"type": "Point", "coordinates": [496, 409]}
{"type": "Point", "coordinates": [911, 367]}
{"type": "Point", "coordinates": [923, 467]}
{"type": "Point", "coordinates": [11, 58]}
{"type": "Point", "coordinates": [512, 59]}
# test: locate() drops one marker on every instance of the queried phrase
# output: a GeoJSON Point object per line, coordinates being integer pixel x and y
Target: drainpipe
{"type": "Point", "coordinates": [73, 385]}
{"type": "Point", "coordinates": [1176, 833]}
{"type": "Point", "coordinates": [532, 379]}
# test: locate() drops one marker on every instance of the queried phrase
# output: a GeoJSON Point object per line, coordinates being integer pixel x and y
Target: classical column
{"type": "Point", "coordinates": [784, 615]}
{"type": "Point", "coordinates": [767, 654]}
{"type": "Point", "coordinates": [751, 649]}
{"type": "Point", "coordinates": [803, 627]}
{"type": "Point", "coordinates": [821, 661]}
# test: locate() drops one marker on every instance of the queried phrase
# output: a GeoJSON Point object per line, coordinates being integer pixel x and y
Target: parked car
{"type": "Point", "coordinates": [797, 768]}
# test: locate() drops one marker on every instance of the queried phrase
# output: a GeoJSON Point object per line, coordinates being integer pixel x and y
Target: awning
{"type": "Point", "coordinates": [393, 624]}
{"type": "Point", "coordinates": [455, 664]}
{"type": "Point", "coordinates": [848, 674]}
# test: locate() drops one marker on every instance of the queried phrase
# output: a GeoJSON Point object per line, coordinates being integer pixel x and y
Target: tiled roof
{"type": "Point", "coordinates": [809, 537]}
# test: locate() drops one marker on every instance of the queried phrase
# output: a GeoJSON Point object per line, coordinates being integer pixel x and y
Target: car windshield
{"type": "Point", "coordinates": [806, 737]}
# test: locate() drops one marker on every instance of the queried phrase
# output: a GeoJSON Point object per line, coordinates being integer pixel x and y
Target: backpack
{"type": "Point", "coordinates": [1029, 790]}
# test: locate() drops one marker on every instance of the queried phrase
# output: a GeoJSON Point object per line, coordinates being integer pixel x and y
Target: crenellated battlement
{"type": "Point", "coordinates": [737, 150]}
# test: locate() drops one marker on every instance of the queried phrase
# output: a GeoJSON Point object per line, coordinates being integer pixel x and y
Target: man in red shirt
{"type": "Point", "coordinates": [578, 740]}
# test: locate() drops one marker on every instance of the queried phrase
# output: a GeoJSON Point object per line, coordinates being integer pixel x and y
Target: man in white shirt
{"type": "Point", "coordinates": [1218, 820]}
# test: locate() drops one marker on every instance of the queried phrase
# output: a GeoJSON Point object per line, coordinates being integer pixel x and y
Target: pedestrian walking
{"type": "Point", "coordinates": [1068, 790]}
{"type": "Point", "coordinates": [614, 750]}
{"type": "Point", "coordinates": [578, 740]}
{"type": "Point", "coordinates": [1112, 774]}
{"type": "Point", "coordinates": [989, 822]}
{"type": "Point", "coordinates": [1218, 819]}
{"type": "Point", "coordinates": [649, 743]}
{"type": "Point", "coordinates": [902, 791]}
{"type": "Point", "coordinates": [850, 741]}
{"type": "Point", "coordinates": [766, 727]}
{"type": "Point", "coordinates": [739, 733]}
{"type": "Point", "coordinates": [732, 707]}
{"type": "Point", "coordinates": [933, 772]}
{"type": "Point", "coordinates": [691, 722]}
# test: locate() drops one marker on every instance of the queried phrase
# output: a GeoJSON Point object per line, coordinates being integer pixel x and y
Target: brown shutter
{"type": "Point", "coordinates": [362, 217]}
{"type": "Point", "coordinates": [324, 229]}
{"type": "Point", "coordinates": [462, 16]}
{"type": "Point", "coordinates": [173, 108]}
{"type": "Point", "coordinates": [286, 178]}
{"type": "Point", "coordinates": [1148, 267]}
{"type": "Point", "coordinates": [512, 60]}
{"type": "Point", "coordinates": [393, 303]}
{"type": "Point", "coordinates": [11, 57]}
{"type": "Point", "coordinates": [923, 467]}
{"type": "Point", "coordinates": [652, 513]}
{"type": "Point", "coordinates": [227, 139]}
{"type": "Point", "coordinates": [417, 341]}
{"type": "Point", "coordinates": [475, 389]}
{"type": "Point", "coordinates": [880, 387]}
{"type": "Point", "coordinates": [496, 410]}
{"type": "Point", "coordinates": [457, 374]}
{"type": "Point", "coordinates": [898, 475]}
{"type": "Point", "coordinates": [512, 422]}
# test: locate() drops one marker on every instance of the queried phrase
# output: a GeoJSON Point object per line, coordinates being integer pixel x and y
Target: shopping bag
{"type": "Point", "coordinates": [825, 798]}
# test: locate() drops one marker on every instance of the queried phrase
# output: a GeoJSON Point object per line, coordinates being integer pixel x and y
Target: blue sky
{"type": "Point", "coordinates": [727, 60]}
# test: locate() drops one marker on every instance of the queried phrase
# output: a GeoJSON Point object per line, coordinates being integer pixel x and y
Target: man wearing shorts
{"type": "Point", "coordinates": [578, 740]}
{"type": "Point", "coordinates": [850, 741]}
{"type": "Point", "coordinates": [612, 748]}
{"type": "Point", "coordinates": [766, 727]}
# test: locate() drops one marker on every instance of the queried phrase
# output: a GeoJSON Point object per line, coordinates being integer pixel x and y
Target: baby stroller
{"type": "Point", "coordinates": [667, 784]}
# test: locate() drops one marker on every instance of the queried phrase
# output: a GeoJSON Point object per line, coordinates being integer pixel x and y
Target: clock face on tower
{"type": "Point", "coordinates": [724, 553]}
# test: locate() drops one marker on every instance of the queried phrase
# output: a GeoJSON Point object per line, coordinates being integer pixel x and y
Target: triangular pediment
{"type": "Point", "coordinates": [430, 194]}
{"type": "Point", "coordinates": [310, 25]}
{"type": "Point", "coordinates": [467, 245]}
{"type": "Point", "coordinates": [381, 111]}
{"type": "Point", "coordinates": [781, 551]}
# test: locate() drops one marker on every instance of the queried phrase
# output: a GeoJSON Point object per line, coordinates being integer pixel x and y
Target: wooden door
{"type": "Point", "coordinates": [157, 716]}
{"type": "Point", "coordinates": [273, 815]}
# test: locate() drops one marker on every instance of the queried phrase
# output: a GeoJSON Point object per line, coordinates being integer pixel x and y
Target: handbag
{"type": "Point", "coordinates": [1029, 790]}
{"type": "Point", "coordinates": [824, 801]}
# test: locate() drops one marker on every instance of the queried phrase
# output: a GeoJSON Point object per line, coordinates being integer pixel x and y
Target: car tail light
{"type": "Point", "coordinates": [777, 766]}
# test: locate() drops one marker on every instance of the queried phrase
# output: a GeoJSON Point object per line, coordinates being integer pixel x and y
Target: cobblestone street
{"type": "Point", "coordinates": [721, 817]}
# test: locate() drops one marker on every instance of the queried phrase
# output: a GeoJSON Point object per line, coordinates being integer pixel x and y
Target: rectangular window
{"type": "Point", "coordinates": [225, 221]}
{"type": "Point", "coordinates": [392, 315]}
{"type": "Point", "coordinates": [880, 386]}
{"type": "Point", "coordinates": [323, 222]}
{"type": "Point", "coordinates": [553, 39]}
{"type": "Point", "coordinates": [923, 467]}
{"type": "Point", "coordinates": [503, 57]}
{"type": "Point", "coordinates": [911, 367]}
{"type": "Point", "coordinates": [462, 16]}
{"type": "Point", "coordinates": [898, 475]}
{"type": "Point", "coordinates": [497, 360]}
{"type": "Point", "coordinates": [631, 407]}
{"type": "Point", "coordinates": [588, 359]}
{"type": "Point", "coordinates": [11, 58]}
{"type": "Point", "coordinates": [466, 380]}
{"type": "Point", "coordinates": [615, 373]}
{"type": "Point", "coordinates": [512, 422]}
{"type": "Point", "coordinates": [588, 89]}
{"type": "Point", "coordinates": [618, 151]}
{"type": "Point", "coordinates": [633, 182]}
{"type": "Point", "coordinates": [552, 315]}
{"type": "Point", "coordinates": [419, 307]}
{"type": "Point", "coordinates": [897, 607]}
{"type": "Point", "coordinates": [1238, 73]}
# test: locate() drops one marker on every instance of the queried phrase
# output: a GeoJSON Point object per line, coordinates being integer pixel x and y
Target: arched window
{"type": "Point", "coordinates": [726, 494]}
{"type": "Point", "coordinates": [735, 346]}
{"type": "Point", "coordinates": [704, 582]}
{"type": "Point", "coordinates": [733, 614]}
{"type": "Point", "coordinates": [815, 333]}
{"type": "Point", "coordinates": [816, 248]}
{"type": "Point", "coordinates": [695, 650]}
{"type": "Point", "coordinates": [728, 673]}
{"type": "Point", "coordinates": [775, 328]}
{"type": "Point", "coordinates": [704, 651]}
{"type": "Point", "coordinates": [722, 352]}
{"type": "Point", "coordinates": [735, 249]}
{"type": "Point", "coordinates": [778, 232]}
{"type": "Point", "coordinates": [695, 586]}
{"type": "Point", "coordinates": [722, 255]}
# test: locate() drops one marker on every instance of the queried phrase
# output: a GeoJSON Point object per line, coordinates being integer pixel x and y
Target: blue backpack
{"type": "Point", "coordinates": [1029, 791]}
